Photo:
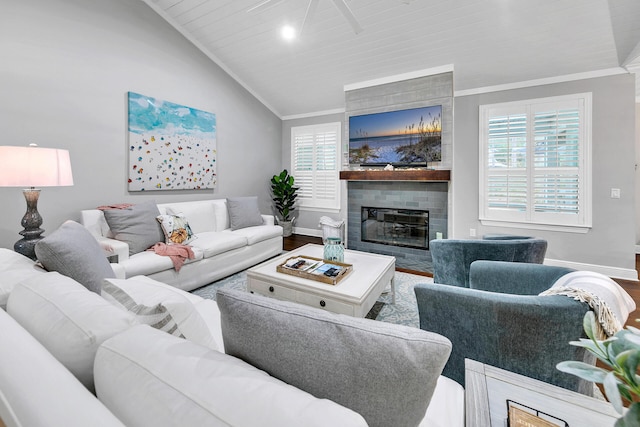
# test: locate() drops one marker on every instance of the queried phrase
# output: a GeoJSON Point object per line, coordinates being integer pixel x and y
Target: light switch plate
{"type": "Point", "coordinates": [615, 193]}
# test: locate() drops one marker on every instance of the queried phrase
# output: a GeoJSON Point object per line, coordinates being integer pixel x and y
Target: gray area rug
{"type": "Point", "coordinates": [403, 312]}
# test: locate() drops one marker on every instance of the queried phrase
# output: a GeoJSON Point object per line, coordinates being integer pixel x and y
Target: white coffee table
{"type": "Point", "coordinates": [354, 295]}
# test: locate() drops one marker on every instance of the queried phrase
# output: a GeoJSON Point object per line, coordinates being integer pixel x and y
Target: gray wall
{"type": "Point", "coordinates": [65, 71]}
{"type": "Point", "coordinates": [611, 241]}
{"type": "Point", "coordinates": [610, 245]}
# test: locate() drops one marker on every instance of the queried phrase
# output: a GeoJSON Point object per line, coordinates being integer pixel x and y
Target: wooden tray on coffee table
{"type": "Point", "coordinates": [315, 264]}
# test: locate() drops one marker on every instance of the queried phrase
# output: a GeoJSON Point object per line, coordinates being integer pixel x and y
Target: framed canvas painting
{"type": "Point", "coordinates": [171, 146]}
{"type": "Point", "coordinates": [411, 137]}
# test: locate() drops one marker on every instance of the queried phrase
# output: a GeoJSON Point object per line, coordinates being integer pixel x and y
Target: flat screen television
{"type": "Point", "coordinates": [411, 137]}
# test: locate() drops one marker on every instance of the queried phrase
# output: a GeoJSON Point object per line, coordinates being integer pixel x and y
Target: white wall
{"type": "Point", "coordinates": [609, 247]}
{"type": "Point", "coordinates": [65, 69]}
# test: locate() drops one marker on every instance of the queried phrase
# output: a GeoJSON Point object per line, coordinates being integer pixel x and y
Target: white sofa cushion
{"type": "Point", "coordinates": [210, 313]}
{"type": "Point", "coordinates": [200, 214]}
{"type": "Point", "coordinates": [258, 233]}
{"type": "Point", "coordinates": [37, 390]}
{"type": "Point", "coordinates": [14, 268]}
{"type": "Point", "coordinates": [186, 384]}
{"type": "Point", "coordinates": [215, 243]}
{"type": "Point", "coordinates": [9, 279]}
{"type": "Point", "coordinates": [148, 262]}
{"type": "Point", "coordinates": [11, 260]}
{"type": "Point", "coordinates": [70, 321]}
{"type": "Point", "coordinates": [176, 307]}
{"type": "Point", "coordinates": [447, 405]}
{"type": "Point", "coordinates": [222, 215]}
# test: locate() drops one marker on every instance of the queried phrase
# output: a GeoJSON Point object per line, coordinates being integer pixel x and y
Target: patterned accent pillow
{"type": "Point", "coordinates": [176, 229]}
{"type": "Point", "coordinates": [156, 316]}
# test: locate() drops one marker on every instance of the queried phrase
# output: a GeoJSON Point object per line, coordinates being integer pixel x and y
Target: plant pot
{"type": "Point", "coordinates": [287, 228]}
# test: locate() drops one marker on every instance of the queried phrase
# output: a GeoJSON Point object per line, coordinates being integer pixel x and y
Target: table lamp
{"type": "Point", "coordinates": [32, 167]}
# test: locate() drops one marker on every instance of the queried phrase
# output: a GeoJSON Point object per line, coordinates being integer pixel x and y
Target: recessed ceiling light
{"type": "Point", "coordinates": [288, 32]}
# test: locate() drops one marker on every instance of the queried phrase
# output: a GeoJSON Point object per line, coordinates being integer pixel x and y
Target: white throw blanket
{"type": "Point", "coordinates": [610, 303]}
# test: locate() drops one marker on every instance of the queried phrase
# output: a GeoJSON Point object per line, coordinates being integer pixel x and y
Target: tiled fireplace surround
{"type": "Point", "coordinates": [417, 195]}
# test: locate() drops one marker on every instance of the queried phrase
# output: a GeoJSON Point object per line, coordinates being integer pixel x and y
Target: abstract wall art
{"type": "Point", "coordinates": [171, 146]}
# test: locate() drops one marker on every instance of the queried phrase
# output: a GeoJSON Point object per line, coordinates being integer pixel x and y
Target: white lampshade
{"type": "Point", "coordinates": [34, 167]}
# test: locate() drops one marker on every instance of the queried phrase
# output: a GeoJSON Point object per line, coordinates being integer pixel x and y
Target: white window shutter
{"type": "Point", "coordinates": [535, 164]}
{"type": "Point", "coordinates": [315, 164]}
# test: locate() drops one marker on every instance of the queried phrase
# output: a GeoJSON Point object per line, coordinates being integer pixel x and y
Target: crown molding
{"type": "Point", "coordinates": [540, 82]}
{"type": "Point", "coordinates": [314, 114]}
{"type": "Point", "coordinates": [400, 77]}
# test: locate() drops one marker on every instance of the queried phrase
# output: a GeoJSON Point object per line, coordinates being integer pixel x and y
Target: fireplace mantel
{"type": "Point", "coordinates": [397, 175]}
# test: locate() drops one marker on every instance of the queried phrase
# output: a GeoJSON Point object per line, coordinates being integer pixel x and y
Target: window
{"type": "Point", "coordinates": [535, 163]}
{"type": "Point", "coordinates": [314, 161]}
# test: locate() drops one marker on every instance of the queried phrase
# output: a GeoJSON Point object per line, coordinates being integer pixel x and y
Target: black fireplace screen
{"type": "Point", "coordinates": [396, 227]}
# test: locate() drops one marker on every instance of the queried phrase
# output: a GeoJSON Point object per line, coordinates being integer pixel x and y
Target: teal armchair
{"type": "Point", "coordinates": [452, 258]}
{"type": "Point", "coordinates": [500, 320]}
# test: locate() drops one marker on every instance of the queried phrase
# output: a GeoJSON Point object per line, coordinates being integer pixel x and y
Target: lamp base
{"type": "Point", "coordinates": [27, 246]}
{"type": "Point", "coordinates": [31, 223]}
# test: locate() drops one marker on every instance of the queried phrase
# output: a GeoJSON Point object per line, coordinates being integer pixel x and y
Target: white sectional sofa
{"type": "Point", "coordinates": [59, 340]}
{"type": "Point", "coordinates": [219, 249]}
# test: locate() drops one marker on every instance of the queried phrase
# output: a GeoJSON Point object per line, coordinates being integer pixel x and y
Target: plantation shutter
{"type": "Point", "coordinates": [535, 165]}
{"type": "Point", "coordinates": [506, 164]}
{"type": "Point", "coordinates": [303, 164]}
{"type": "Point", "coordinates": [557, 172]}
{"type": "Point", "coordinates": [315, 164]}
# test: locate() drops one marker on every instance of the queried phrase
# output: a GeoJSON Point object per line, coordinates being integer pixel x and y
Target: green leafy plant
{"type": "Point", "coordinates": [621, 354]}
{"type": "Point", "coordinates": [283, 194]}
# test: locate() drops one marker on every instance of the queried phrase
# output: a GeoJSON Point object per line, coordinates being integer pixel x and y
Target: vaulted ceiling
{"type": "Point", "coordinates": [486, 42]}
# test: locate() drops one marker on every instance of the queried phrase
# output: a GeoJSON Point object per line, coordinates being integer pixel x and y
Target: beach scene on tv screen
{"type": "Point", "coordinates": [402, 137]}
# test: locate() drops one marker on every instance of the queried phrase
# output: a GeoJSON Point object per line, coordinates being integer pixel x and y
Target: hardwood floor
{"type": "Point", "coordinates": [296, 240]}
{"type": "Point", "coordinates": [633, 289]}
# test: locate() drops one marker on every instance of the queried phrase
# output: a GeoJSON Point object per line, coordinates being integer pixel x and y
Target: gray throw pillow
{"type": "Point", "coordinates": [385, 372]}
{"type": "Point", "coordinates": [137, 226]}
{"type": "Point", "coordinates": [243, 212]}
{"type": "Point", "coordinates": [72, 251]}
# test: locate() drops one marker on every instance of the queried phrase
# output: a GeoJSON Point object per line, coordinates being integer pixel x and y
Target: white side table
{"type": "Point", "coordinates": [488, 388]}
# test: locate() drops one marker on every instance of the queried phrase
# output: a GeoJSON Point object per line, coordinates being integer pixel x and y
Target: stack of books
{"type": "Point", "coordinates": [317, 269]}
{"type": "Point", "coordinates": [313, 266]}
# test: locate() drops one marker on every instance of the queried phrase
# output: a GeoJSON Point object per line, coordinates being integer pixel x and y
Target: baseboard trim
{"type": "Point", "coordinates": [615, 272]}
{"type": "Point", "coordinates": [638, 249]}
{"type": "Point", "coordinates": [307, 232]}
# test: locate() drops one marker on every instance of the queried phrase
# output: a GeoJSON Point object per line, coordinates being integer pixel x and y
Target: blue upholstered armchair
{"type": "Point", "coordinates": [501, 321]}
{"type": "Point", "coordinates": [452, 258]}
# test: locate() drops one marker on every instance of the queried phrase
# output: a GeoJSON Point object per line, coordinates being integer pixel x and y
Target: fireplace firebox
{"type": "Point", "coordinates": [395, 227]}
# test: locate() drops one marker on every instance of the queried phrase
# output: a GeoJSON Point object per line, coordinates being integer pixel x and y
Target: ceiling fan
{"type": "Point", "coordinates": [341, 5]}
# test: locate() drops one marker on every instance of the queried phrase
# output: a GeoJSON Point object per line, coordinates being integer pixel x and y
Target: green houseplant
{"type": "Point", "coordinates": [283, 194]}
{"type": "Point", "coordinates": [621, 354]}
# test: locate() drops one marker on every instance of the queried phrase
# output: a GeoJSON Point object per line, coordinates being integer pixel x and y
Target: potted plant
{"type": "Point", "coordinates": [621, 353]}
{"type": "Point", "coordinates": [283, 194]}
